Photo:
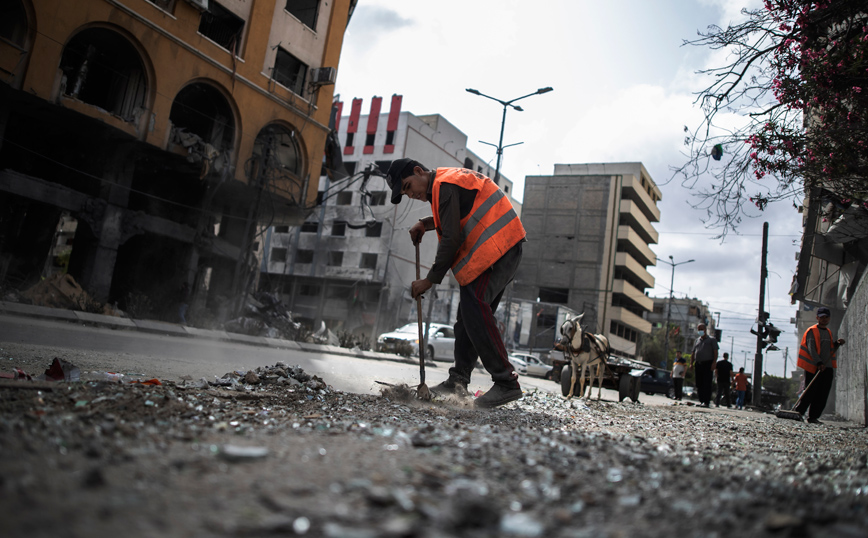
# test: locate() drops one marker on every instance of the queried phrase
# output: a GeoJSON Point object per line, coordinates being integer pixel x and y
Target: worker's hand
{"type": "Point", "coordinates": [821, 366]}
{"type": "Point", "coordinates": [416, 232]}
{"type": "Point", "coordinates": [418, 287]}
{"type": "Point", "coordinates": [840, 342]}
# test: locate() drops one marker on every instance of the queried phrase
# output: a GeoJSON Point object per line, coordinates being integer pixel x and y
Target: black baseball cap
{"type": "Point", "coordinates": [398, 170]}
{"type": "Point", "coordinates": [823, 311]}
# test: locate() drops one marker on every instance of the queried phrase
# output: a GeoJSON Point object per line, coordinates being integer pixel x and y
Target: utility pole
{"type": "Point", "coordinates": [758, 363]}
{"type": "Point", "coordinates": [672, 263]}
{"type": "Point", "coordinates": [786, 355]}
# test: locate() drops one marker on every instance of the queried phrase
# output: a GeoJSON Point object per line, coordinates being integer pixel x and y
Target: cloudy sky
{"type": "Point", "coordinates": [624, 88]}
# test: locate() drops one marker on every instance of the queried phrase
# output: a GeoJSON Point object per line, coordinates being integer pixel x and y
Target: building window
{"type": "Point", "coordinates": [369, 139]}
{"type": "Point", "coordinates": [165, 5]}
{"type": "Point", "coordinates": [13, 22]}
{"type": "Point", "coordinates": [350, 167]}
{"type": "Point", "coordinates": [278, 254]}
{"type": "Point", "coordinates": [339, 292]}
{"type": "Point", "coordinates": [202, 110]}
{"type": "Point", "coordinates": [304, 256]}
{"type": "Point", "coordinates": [339, 228]}
{"type": "Point", "coordinates": [281, 229]}
{"type": "Point", "coordinates": [103, 69]}
{"type": "Point", "coordinates": [506, 189]}
{"type": "Point", "coordinates": [369, 261]}
{"type": "Point", "coordinates": [374, 229]}
{"type": "Point", "coordinates": [310, 227]}
{"type": "Point", "coordinates": [378, 198]}
{"type": "Point", "coordinates": [350, 138]}
{"type": "Point", "coordinates": [308, 290]}
{"type": "Point", "coordinates": [319, 197]}
{"type": "Point", "coordinates": [390, 138]}
{"type": "Point", "coordinates": [222, 27]}
{"type": "Point", "coordinates": [336, 258]}
{"type": "Point", "coordinates": [275, 152]}
{"type": "Point", "coordinates": [304, 10]}
{"type": "Point", "coordinates": [289, 71]}
{"type": "Point", "coordinates": [554, 295]}
{"type": "Point", "coordinates": [345, 198]}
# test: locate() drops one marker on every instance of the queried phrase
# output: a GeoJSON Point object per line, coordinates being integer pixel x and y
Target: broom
{"type": "Point", "coordinates": [422, 391]}
{"type": "Point", "coordinates": [793, 414]}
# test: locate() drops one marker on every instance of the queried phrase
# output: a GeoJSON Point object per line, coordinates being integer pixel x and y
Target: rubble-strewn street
{"type": "Point", "coordinates": [279, 452]}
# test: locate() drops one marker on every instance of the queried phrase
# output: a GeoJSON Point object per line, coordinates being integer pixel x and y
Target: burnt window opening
{"type": "Point", "coordinates": [13, 22]}
{"type": "Point", "coordinates": [165, 5]}
{"type": "Point", "coordinates": [368, 261]}
{"type": "Point", "coordinates": [554, 295]}
{"type": "Point", "coordinates": [339, 228]}
{"type": "Point", "coordinates": [350, 138]}
{"type": "Point", "coordinates": [304, 256]}
{"type": "Point", "coordinates": [289, 71]}
{"type": "Point", "coordinates": [304, 10]}
{"type": "Point", "coordinates": [390, 138]}
{"type": "Point", "coordinates": [222, 27]}
{"type": "Point", "coordinates": [308, 290]}
{"type": "Point", "coordinates": [201, 110]}
{"type": "Point", "coordinates": [369, 139]}
{"type": "Point", "coordinates": [374, 229]}
{"type": "Point", "coordinates": [345, 198]}
{"type": "Point", "coordinates": [278, 254]}
{"type": "Point", "coordinates": [281, 229]}
{"type": "Point", "coordinates": [276, 156]}
{"type": "Point", "coordinates": [336, 258]}
{"type": "Point", "coordinates": [103, 69]}
{"type": "Point", "coordinates": [378, 198]}
{"type": "Point", "coordinates": [310, 227]}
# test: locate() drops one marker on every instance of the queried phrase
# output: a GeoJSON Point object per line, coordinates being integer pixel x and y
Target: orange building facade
{"type": "Point", "coordinates": [169, 129]}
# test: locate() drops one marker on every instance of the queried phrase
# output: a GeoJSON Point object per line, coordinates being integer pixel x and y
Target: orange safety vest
{"type": "Point", "coordinates": [805, 361]}
{"type": "Point", "coordinates": [487, 232]}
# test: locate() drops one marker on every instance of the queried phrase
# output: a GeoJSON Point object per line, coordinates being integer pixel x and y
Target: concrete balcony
{"type": "Point", "coordinates": [625, 288]}
{"type": "Point", "coordinates": [630, 319]}
{"type": "Point", "coordinates": [627, 262]}
{"type": "Point", "coordinates": [641, 197]}
{"type": "Point", "coordinates": [637, 247]}
{"type": "Point", "coordinates": [633, 214]}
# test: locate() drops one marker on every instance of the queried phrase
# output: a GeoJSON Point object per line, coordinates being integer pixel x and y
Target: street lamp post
{"type": "Point", "coordinates": [505, 104]}
{"type": "Point", "coordinates": [669, 308]}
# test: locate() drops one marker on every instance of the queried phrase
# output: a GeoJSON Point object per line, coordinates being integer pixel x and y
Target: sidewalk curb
{"type": "Point", "coordinates": [181, 331]}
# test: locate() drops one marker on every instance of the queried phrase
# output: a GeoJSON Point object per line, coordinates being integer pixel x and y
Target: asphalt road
{"type": "Point", "coordinates": [170, 357]}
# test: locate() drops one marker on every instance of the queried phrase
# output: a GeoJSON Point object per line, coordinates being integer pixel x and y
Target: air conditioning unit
{"type": "Point", "coordinates": [321, 76]}
{"type": "Point", "coordinates": [201, 5]}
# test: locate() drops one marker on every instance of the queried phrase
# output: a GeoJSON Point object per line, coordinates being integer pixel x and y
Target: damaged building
{"type": "Point", "coordinates": [350, 264]}
{"type": "Point", "coordinates": [166, 132]}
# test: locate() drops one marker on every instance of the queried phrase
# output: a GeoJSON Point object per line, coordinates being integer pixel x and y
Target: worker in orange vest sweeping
{"type": "Point", "coordinates": [480, 239]}
{"type": "Point", "coordinates": [817, 359]}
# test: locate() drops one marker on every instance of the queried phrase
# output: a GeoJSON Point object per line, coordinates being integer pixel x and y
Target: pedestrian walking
{"type": "Point", "coordinates": [723, 370]}
{"type": "Point", "coordinates": [817, 359]}
{"type": "Point", "coordinates": [703, 358]}
{"type": "Point", "coordinates": [480, 239]}
{"type": "Point", "coordinates": [740, 388]}
{"type": "Point", "coordinates": [678, 371]}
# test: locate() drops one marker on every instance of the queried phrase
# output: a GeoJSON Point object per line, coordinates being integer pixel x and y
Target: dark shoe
{"type": "Point", "coordinates": [451, 386]}
{"type": "Point", "coordinates": [813, 421]}
{"type": "Point", "coordinates": [498, 395]}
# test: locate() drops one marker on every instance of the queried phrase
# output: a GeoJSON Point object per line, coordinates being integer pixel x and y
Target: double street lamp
{"type": "Point", "coordinates": [669, 309]}
{"type": "Point", "coordinates": [505, 104]}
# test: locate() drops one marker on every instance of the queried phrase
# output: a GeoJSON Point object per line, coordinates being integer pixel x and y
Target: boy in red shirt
{"type": "Point", "coordinates": [740, 388]}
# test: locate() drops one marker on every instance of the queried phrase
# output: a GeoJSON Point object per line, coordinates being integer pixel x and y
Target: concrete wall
{"type": "Point", "coordinates": [851, 384]}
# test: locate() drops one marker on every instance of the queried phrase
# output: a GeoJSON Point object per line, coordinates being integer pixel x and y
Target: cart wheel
{"type": "Point", "coordinates": [566, 377]}
{"type": "Point", "coordinates": [624, 387]}
{"type": "Point", "coordinates": [635, 388]}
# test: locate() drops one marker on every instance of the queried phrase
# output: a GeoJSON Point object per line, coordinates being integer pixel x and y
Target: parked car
{"type": "Point", "coordinates": [441, 341]}
{"type": "Point", "coordinates": [688, 392]}
{"type": "Point", "coordinates": [656, 381]}
{"type": "Point", "coordinates": [535, 366]}
{"type": "Point", "coordinates": [519, 364]}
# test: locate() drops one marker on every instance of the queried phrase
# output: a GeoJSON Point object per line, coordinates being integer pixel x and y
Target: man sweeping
{"type": "Point", "coordinates": [480, 239]}
{"type": "Point", "coordinates": [817, 358]}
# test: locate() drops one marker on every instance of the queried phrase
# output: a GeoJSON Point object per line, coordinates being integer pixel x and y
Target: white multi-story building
{"type": "Point", "coordinates": [351, 264]}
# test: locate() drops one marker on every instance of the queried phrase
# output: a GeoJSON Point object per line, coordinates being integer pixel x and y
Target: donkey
{"type": "Point", "coordinates": [586, 352]}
